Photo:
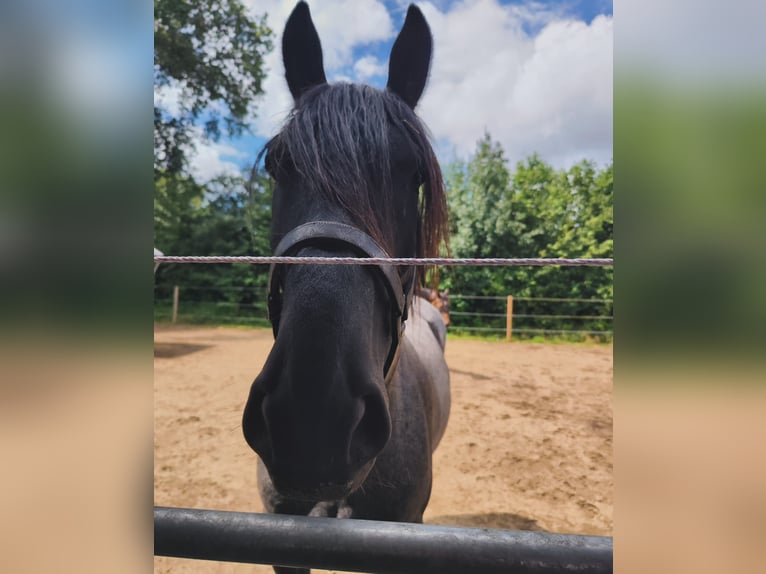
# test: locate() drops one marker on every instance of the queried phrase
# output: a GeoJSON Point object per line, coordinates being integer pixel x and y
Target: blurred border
{"type": "Point", "coordinates": [690, 120]}
{"type": "Point", "coordinates": [76, 290]}
{"type": "Point", "coordinates": [75, 234]}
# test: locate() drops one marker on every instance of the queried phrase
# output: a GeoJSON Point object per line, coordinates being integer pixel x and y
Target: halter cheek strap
{"type": "Point", "coordinates": [358, 241]}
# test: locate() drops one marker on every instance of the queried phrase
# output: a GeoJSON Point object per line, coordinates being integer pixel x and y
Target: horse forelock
{"type": "Point", "coordinates": [337, 139]}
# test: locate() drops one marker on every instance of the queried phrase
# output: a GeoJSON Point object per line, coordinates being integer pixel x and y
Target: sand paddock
{"type": "Point", "coordinates": [528, 445]}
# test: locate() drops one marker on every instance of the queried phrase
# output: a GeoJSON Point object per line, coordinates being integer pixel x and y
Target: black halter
{"type": "Point", "coordinates": [365, 246]}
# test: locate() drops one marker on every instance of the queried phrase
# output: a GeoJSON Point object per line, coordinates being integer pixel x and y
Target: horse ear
{"type": "Point", "coordinates": [410, 58]}
{"type": "Point", "coordinates": [446, 292]}
{"type": "Point", "coordinates": [302, 52]}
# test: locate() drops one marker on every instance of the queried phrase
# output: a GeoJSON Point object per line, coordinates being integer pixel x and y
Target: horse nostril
{"type": "Point", "coordinates": [372, 432]}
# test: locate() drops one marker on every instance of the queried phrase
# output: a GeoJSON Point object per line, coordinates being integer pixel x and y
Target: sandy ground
{"type": "Point", "coordinates": [528, 445]}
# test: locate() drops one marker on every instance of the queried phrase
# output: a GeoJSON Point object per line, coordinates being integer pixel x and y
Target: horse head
{"type": "Point", "coordinates": [354, 175]}
{"type": "Point", "coordinates": [440, 300]}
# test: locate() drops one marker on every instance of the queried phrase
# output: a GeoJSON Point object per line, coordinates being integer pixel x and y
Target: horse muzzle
{"type": "Point", "coordinates": [316, 454]}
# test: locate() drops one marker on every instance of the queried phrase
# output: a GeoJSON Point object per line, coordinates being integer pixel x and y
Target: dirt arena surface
{"type": "Point", "coordinates": [528, 445]}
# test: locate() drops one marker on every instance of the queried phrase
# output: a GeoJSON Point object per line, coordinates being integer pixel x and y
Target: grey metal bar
{"type": "Point", "coordinates": [372, 546]}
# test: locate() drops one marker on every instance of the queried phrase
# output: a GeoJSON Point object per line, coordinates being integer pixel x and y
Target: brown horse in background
{"type": "Point", "coordinates": [439, 299]}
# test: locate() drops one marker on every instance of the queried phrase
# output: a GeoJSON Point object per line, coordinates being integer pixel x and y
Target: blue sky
{"type": "Point", "coordinates": [536, 75]}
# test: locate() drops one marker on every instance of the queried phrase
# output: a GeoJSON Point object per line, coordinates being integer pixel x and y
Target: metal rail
{"type": "Point", "coordinates": [372, 546]}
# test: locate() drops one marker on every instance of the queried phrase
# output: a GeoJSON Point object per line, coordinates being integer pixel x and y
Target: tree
{"type": "Point", "coordinates": [212, 55]}
{"type": "Point", "coordinates": [482, 222]}
{"type": "Point", "coordinates": [477, 191]}
{"type": "Point", "coordinates": [218, 219]}
{"type": "Point", "coordinates": [580, 225]}
{"type": "Point", "coordinates": [534, 211]}
{"type": "Point", "coordinates": [177, 200]}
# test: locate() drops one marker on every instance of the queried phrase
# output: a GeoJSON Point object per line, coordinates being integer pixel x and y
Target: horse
{"type": "Point", "coordinates": [350, 405]}
{"type": "Point", "coordinates": [439, 299]}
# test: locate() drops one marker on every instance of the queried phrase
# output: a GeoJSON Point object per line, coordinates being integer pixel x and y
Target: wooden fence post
{"type": "Point", "coordinates": [509, 319]}
{"type": "Point", "coordinates": [175, 303]}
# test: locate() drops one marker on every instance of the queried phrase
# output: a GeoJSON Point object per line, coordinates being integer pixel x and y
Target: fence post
{"type": "Point", "coordinates": [175, 303]}
{"type": "Point", "coordinates": [509, 319]}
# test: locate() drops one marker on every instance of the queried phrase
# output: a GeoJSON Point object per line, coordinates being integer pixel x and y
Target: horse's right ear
{"type": "Point", "coordinates": [410, 58]}
{"type": "Point", "coordinates": [302, 52]}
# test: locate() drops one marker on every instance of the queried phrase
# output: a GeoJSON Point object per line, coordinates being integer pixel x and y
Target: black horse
{"type": "Point", "coordinates": [349, 406]}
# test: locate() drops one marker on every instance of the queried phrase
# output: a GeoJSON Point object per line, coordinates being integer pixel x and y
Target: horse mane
{"type": "Point", "coordinates": [337, 139]}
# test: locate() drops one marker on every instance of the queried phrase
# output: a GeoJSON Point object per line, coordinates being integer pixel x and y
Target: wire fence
{"type": "Point", "coordinates": [546, 299]}
{"type": "Point", "coordinates": [575, 319]}
{"type": "Point", "coordinates": [401, 261]}
{"type": "Point", "coordinates": [570, 318]}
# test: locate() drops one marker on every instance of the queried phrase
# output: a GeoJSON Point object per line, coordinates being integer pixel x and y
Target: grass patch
{"type": "Point", "coordinates": [575, 339]}
{"type": "Point", "coordinates": [219, 313]}
{"type": "Point", "coordinates": [226, 314]}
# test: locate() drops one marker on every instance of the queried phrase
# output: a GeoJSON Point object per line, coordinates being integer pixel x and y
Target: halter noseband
{"type": "Point", "coordinates": [365, 246]}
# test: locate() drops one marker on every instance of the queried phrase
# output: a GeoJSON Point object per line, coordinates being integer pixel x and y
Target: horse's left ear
{"type": "Point", "coordinates": [410, 58]}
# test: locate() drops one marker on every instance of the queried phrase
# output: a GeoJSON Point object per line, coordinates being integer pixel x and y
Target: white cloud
{"type": "Point", "coordinates": [209, 159]}
{"type": "Point", "coordinates": [550, 94]}
{"type": "Point", "coordinates": [275, 103]}
{"type": "Point", "coordinates": [344, 24]}
{"type": "Point", "coordinates": [536, 13]}
{"type": "Point", "coordinates": [169, 97]}
{"type": "Point", "coordinates": [369, 67]}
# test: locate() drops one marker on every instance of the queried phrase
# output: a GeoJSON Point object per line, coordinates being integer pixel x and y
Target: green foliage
{"type": "Point", "coordinates": [213, 53]}
{"type": "Point", "coordinates": [536, 211]}
{"type": "Point", "coordinates": [220, 219]}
